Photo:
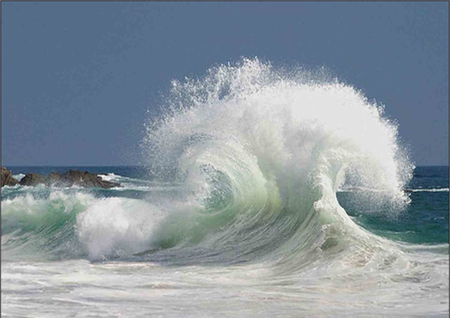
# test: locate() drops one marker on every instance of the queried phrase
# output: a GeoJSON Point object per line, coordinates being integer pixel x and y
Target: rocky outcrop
{"type": "Point", "coordinates": [68, 179]}
{"type": "Point", "coordinates": [33, 179]}
{"type": "Point", "coordinates": [80, 178]}
{"type": "Point", "coordinates": [7, 178]}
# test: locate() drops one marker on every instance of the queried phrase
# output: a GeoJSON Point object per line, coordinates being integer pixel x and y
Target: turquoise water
{"type": "Point", "coordinates": [425, 219]}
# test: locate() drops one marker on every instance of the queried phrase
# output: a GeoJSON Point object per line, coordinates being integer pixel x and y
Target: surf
{"type": "Point", "coordinates": [255, 155]}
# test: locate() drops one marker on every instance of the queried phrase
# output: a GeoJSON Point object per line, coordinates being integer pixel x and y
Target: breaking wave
{"type": "Point", "coordinates": [261, 153]}
{"type": "Point", "coordinates": [257, 154]}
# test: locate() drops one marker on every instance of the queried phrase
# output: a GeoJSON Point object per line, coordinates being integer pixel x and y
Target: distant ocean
{"type": "Point", "coordinates": [264, 195]}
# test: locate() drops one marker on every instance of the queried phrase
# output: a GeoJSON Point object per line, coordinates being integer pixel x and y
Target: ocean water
{"type": "Point", "coordinates": [266, 193]}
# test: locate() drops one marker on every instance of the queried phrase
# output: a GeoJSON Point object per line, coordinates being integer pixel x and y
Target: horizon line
{"type": "Point", "coordinates": [140, 165]}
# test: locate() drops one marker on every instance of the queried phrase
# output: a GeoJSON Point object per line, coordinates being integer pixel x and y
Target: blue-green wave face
{"type": "Point", "coordinates": [256, 156]}
{"type": "Point", "coordinates": [41, 224]}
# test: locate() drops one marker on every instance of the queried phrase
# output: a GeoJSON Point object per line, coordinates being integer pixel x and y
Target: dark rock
{"type": "Point", "coordinates": [7, 178]}
{"type": "Point", "coordinates": [70, 178]}
{"type": "Point", "coordinates": [83, 179]}
{"type": "Point", "coordinates": [53, 179]}
{"type": "Point", "coordinates": [33, 179]}
{"type": "Point", "coordinates": [86, 179]}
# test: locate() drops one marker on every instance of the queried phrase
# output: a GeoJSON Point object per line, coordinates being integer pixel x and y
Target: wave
{"type": "Point", "coordinates": [19, 176]}
{"type": "Point", "coordinates": [258, 155]}
{"type": "Point", "coordinates": [364, 189]}
{"type": "Point", "coordinates": [430, 190]}
{"type": "Point", "coordinates": [110, 176]}
{"type": "Point", "coordinates": [57, 224]}
{"type": "Point", "coordinates": [262, 152]}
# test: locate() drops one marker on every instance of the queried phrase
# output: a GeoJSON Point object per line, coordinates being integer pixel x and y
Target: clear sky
{"type": "Point", "coordinates": [78, 78]}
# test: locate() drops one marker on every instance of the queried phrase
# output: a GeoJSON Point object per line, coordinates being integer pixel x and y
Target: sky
{"type": "Point", "coordinates": [78, 79]}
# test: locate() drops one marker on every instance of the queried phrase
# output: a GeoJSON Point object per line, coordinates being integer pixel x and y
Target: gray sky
{"type": "Point", "coordinates": [78, 78]}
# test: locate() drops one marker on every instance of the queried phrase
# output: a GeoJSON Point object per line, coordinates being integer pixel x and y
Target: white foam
{"type": "Point", "coordinates": [116, 226]}
{"type": "Point", "coordinates": [430, 190]}
{"type": "Point", "coordinates": [109, 177]}
{"type": "Point", "coordinates": [19, 176]}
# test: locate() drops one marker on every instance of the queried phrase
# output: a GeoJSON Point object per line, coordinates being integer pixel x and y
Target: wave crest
{"type": "Point", "coordinates": [283, 142]}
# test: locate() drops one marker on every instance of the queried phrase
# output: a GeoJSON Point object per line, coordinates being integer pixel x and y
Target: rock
{"type": "Point", "coordinates": [70, 178]}
{"type": "Point", "coordinates": [7, 178]}
{"type": "Point", "coordinates": [53, 179]}
{"type": "Point", "coordinates": [86, 179]}
{"type": "Point", "coordinates": [33, 179]}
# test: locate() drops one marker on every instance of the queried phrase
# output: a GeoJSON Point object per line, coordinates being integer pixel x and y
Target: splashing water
{"type": "Point", "coordinates": [262, 152]}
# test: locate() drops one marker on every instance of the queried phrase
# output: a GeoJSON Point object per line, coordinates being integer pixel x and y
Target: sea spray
{"type": "Point", "coordinates": [283, 142]}
{"type": "Point", "coordinates": [115, 227]}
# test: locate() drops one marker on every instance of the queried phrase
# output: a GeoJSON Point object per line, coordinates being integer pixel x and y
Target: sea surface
{"type": "Point", "coordinates": [266, 193]}
{"type": "Point", "coordinates": [74, 252]}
